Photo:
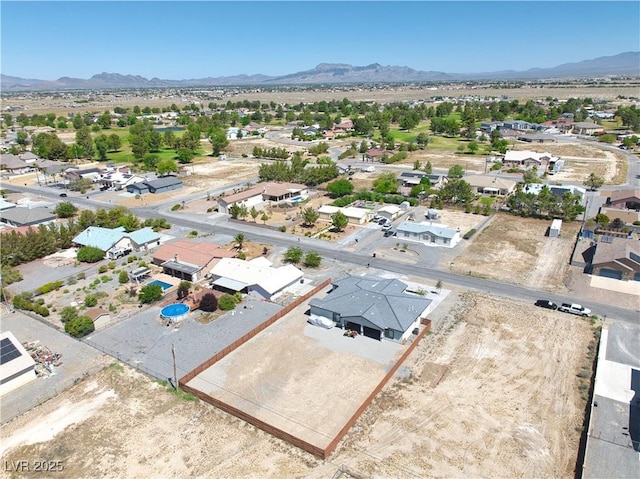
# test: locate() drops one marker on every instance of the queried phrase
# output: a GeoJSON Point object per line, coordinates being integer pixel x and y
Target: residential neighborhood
{"type": "Point", "coordinates": [330, 283]}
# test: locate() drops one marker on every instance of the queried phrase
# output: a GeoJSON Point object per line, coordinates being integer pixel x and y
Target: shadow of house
{"type": "Point", "coordinates": [634, 410]}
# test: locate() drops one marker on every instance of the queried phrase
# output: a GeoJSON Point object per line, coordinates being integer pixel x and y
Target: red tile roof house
{"type": "Point", "coordinates": [377, 153]}
{"type": "Point", "coordinates": [260, 194]}
{"type": "Point", "coordinates": [189, 260]}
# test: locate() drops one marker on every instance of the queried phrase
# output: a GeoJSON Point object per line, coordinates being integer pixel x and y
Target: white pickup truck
{"type": "Point", "coordinates": [575, 309]}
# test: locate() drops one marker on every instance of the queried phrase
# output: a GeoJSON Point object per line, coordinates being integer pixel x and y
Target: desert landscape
{"type": "Point", "coordinates": [482, 396]}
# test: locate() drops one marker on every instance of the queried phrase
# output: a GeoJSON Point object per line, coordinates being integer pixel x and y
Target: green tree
{"type": "Point", "coordinates": [114, 141]}
{"type": "Point", "coordinates": [417, 165]}
{"type": "Point", "coordinates": [264, 218]}
{"type": "Point", "coordinates": [456, 191]}
{"type": "Point", "coordinates": [593, 181]}
{"type": "Point", "coordinates": [339, 220]}
{"type": "Point", "coordinates": [218, 140]}
{"type": "Point", "coordinates": [185, 155]}
{"type": "Point", "coordinates": [386, 183]}
{"type": "Point", "coordinates": [234, 210]}
{"type": "Point", "coordinates": [166, 166]}
{"type": "Point", "coordinates": [602, 219]}
{"type": "Point", "coordinates": [123, 277]}
{"type": "Point", "coordinates": [428, 168]}
{"type": "Point", "coordinates": [338, 188]}
{"type": "Point", "coordinates": [65, 209]}
{"type": "Point", "coordinates": [455, 172]}
{"type": "Point", "coordinates": [79, 327]}
{"type": "Point", "coordinates": [309, 216]}
{"type": "Point", "coordinates": [531, 176]}
{"type": "Point", "coordinates": [293, 254]}
{"type": "Point", "coordinates": [312, 259]}
{"type": "Point", "coordinates": [68, 313]}
{"type": "Point", "coordinates": [150, 293]}
{"type": "Point", "coordinates": [253, 212]}
{"type": "Point", "coordinates": [472, 147]}
{"type": "Point", "coordinates": [84, 141]}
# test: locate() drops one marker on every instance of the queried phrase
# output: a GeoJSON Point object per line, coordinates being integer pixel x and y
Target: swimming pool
{"type": "Point", "coordinates": [175, 312]}
{"type": "Point", "coordinates": [162, 284]}
{"type": "Point", "coordinates": [296, 199]}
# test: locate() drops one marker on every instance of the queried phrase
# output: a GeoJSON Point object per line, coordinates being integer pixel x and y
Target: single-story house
{"type": "Point", "coordinates": [17, 367]}
{"type": "Point", "coordinates": [258, 275]}
{"type": "Point", "coordinates": [490, 185]}
{"type": "Point", "coordinates": [429, 233]}
{"type": "Point", "coordinates": [624, 199]}
{"type": "Point", "coordinates": [258, 195]}
{"type": "Point", "coordinates": [160, 185]}
{"type": "Point", "coordinates": [6, 205]}
{"type": "Point", "coordinates": [413, 178]}
{"type": "Point", "coordinates": [538, 138]}
{"type": "Point", "coordinates": [627, 216]}
{"type": "Point", "coordinates": [354, 215]}
{"type": "Point", "coordinates": [27, 216]}
{"type": "Point", "coordinates": [14, 165]}
{"type": "Point", "coordinates": [556, 190]}
{"type": "Point", "coordinates": [93, 174]}
{"type": "Point", "coordinates": [528, 158]}
{"type": "Point", "coordinates": [375, 154]}
{"type": "Point", "coordinates": [518, 125]}
{"type": "Point", "coordinates": [107, 239]}
{"type": "Point", "coordinates": [390, 212]}
{"type": "Point", "coordinates": [119, 180]}
{"type": "Point", "coordinates": [586, 128]}
{"type": "Point", "coordinates": [189, 260]}
{"type": "Point", "coordinates": [100, 317]}
{"type": "Point", "coordinates": [375, 307]}
{"type": "Point", "coordinates": [617, 258]}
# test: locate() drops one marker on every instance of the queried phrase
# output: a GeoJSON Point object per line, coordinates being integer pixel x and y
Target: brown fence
{"type": "Point", "coordinates": [332, 445]}
{"type": "Point", "coordinates": [240, 341]}
{"type": "Point", "coordinates": [269, 428]}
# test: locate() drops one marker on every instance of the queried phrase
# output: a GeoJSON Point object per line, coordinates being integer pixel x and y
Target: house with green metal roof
{"type": "Point", "coordinates": [110, 239]}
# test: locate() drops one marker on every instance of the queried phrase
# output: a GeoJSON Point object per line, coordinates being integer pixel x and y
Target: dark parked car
{"type": "Point", "coordinates": [63, 195]}
{"type": "Point", "coordinates": [545, 303]}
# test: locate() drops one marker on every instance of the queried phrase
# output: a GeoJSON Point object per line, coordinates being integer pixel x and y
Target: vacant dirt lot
{"type": "Point", "coordinates": [516, 250]}
{"type": "Point", "coordinates": [494, 394]}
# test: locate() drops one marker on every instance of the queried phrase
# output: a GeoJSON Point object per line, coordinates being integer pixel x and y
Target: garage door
{"type": "Point", "coordinates": [372, 333]}
{"type": "Point", "coordinates": [352, 326]}
{"type": "Point", "coordinates": [610, 273]}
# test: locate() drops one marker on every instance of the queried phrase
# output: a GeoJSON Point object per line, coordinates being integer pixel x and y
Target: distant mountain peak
{"type": "Point", "coordinates": [623, 64]}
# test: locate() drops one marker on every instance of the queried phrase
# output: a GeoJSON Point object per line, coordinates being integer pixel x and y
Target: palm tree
{"type": "Point", "coordinates": [239, 239]}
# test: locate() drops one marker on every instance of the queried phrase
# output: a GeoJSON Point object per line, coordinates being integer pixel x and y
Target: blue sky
{"type": "Point", "coordinates": [179, 40]}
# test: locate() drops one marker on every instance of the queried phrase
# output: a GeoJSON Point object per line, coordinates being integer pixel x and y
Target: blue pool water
{"type": "Point", "coordinates": [162, 284]}
{"type": "Point", "coordinates": [175, 312]}
{"type": "Point", "coordinates": [295, 199]}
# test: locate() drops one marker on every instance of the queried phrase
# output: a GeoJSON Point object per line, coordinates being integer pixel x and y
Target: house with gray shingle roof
{"type": "Point", "coordinates": [13, 164]}
{"type": "Point", "coordinates": [429, 233]}
{"type": "Point", "coordinates": [160, 185]}
{"type": "Point", "coordinates": [27, 216]}
{"type": "Point", "coordinates": [375, 307]}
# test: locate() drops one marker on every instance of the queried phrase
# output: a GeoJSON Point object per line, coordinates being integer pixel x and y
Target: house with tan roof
{"type": "Point", "coordinates": [617, 258]}
{"type": "Point", "coordinates": [189, 260]}
{"type": "Point", "coordinates": [624, 199]}
{"type": "Point", "coordinates": [490, 185]}
{"type": "Point", "coordinates": [262, 193]}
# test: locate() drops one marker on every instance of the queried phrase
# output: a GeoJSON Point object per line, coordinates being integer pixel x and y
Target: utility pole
{"type": "Point", "coordinates": [175, 373]}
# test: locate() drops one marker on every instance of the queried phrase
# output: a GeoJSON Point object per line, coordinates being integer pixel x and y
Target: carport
{"type": "Point", "coordinates": [610, 273]}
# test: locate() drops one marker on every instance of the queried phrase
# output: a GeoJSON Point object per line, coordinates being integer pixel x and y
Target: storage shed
{"type": "Point", "coordinates": [554, 230]}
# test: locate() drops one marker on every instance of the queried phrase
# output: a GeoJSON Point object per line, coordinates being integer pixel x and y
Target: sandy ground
{"type": "Point", "coordinates": [483, 397]}
{"type": "Point", "coordinates": [516, 250]}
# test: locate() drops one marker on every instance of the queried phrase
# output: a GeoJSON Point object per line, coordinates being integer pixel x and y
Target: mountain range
{"type": "Point", "coordinates": [623, 64]}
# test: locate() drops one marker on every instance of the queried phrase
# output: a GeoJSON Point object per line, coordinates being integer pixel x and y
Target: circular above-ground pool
{"type": "Point", "coordinates": [175, 312]}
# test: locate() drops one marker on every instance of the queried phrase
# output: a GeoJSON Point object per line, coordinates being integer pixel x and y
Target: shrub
{"type": "Point", "coordinates": [192, 234]}
{"type": "Point", "coordinates": [283, 228]}
{"type": "Point", "coordinates": [312, 259]}
{"type": "Point", "coordinates": [226, 302]}
{"type": "Point", "coordinates": [293, 254]}
{"type": "Point", "coordinates": [469, 233]}
{"type": "Point", "coordinates": [112, 265]}
{"type": "Point", "coordinates": [209, 303]}
{"type": "Point", "coordinates": [176, 207]}
{"type": "Point", "coordinates": [68, 313]}
{"type": "Point", "coordinates": [123, 277]}
{"type": "Point", "coordinates": [53, 286]}
{"type": "Point", "coordinates": [105, 278]}
{"type": "Point", "coordinates": [90, 301]}
{"type": "Point", "coordinates": [89, 254]}
{"type": "Point", "coordinates": [81, 276]}
{"type": "Point", "coordinates": [79, 327]}
{"type": "Point", "coordinates": [102, 269]}
{"type": "Point", "coordinates": [241, 255]}
{"type": "Point", "coordinates": [150, 293]}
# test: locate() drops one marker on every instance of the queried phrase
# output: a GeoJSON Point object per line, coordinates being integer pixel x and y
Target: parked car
{"type": "Point", "coordinates": [386, 227]}
{"type": "Point", "coordinates": [63, 195]}
{"type": "Point", "coordinates": [545, 303]}
{"type": "Point", "coordinates": [574, 308]}
{"type": "Point", "coordinates": [389, 232]}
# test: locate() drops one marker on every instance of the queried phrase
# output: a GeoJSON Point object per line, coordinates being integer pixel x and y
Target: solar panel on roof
{"type": "Point", "coordinates": [8, 351]}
